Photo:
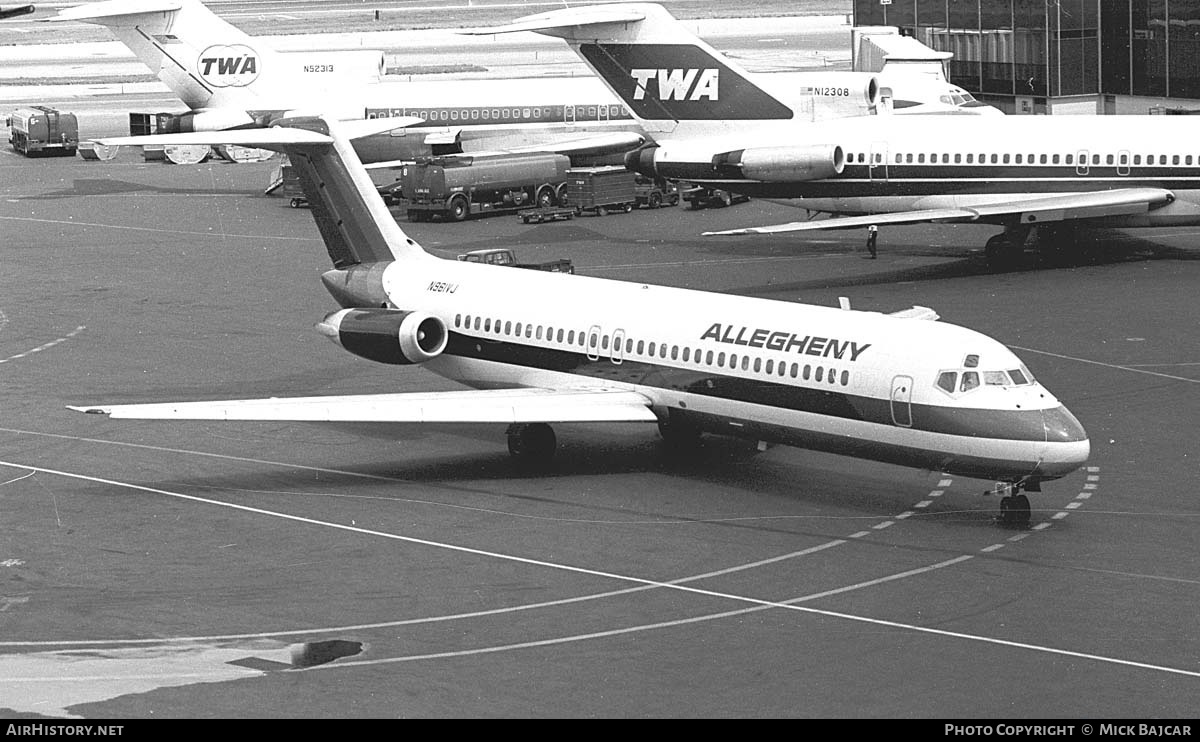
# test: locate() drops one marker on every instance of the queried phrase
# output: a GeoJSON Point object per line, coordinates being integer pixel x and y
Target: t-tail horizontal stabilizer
{"type": "Point", "coordinates": [353, 220]}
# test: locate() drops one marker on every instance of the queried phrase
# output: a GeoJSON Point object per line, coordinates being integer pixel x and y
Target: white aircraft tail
{"type": "Point", "coordinates": [668, 78]}
{"type": "Point", "coordinates": [210, 64]}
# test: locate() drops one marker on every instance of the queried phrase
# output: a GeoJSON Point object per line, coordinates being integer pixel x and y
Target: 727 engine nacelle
{"type": "Point", "coordinates": [212, 119]}
{"type": "Point", "coordinates": [791, 163]}
{"type": "Point", "coordinates": [764, 164]}
{"type": "Point", "coordinates": [387, 335]}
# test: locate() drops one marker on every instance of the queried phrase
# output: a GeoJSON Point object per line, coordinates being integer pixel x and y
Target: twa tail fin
{"type": "Point", "coordinates": [205, 61]}
{"type": "Point", "coordinates": [663, 73]}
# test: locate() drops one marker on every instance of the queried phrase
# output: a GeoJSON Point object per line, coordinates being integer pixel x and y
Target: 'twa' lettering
{"type": "Point", "coordinates": [678, 84]}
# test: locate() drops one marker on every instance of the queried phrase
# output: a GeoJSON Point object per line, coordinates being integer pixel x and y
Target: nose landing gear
{"type": "Point", "coordinates": [1014, 505]}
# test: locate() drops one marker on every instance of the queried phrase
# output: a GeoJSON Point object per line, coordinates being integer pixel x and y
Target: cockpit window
{"type": "Point", "coordinates": [995, 378]}
{"type": "Point", "coordinates": [961, 381]}
{"type": "Point", "coordinates": [947, 380]}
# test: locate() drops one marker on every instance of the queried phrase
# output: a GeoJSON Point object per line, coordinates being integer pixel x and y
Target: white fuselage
{"type": "Point", "coordinates": [932, 162]}
{"type": "Point", "coordinates": [859, 383]}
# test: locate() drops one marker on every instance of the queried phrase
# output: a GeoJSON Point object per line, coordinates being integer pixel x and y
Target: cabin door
{"type": "Point", "coordinates": [902, 401]}
{"type": "Point", "coordinates": [593, 343]}
{"type": "Point", "coordinates": [1081, 162]}
{"type": "Point", "coordinates": [878, 164]}
{"type": "Point", "coordinates": [618, 348]}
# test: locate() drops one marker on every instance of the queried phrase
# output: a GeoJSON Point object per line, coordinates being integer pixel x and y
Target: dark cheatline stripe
{"type": "Point", "coordinates": [859, 181]}
{"type": "Point", "coordinates": [830, 400]}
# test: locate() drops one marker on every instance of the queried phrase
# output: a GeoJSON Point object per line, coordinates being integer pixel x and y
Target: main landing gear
{"type": "Point", "coordinates": [531, 444]}
{"type": "Point", "coordinates": [1004, 249]}
{"type": "Point", "coordinates": [1014, 505]}
{"type": "Point", "coordinates": [1055, 242]}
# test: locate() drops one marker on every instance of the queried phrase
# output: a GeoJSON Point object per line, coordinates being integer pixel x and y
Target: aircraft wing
{"type": "Point", "coordinates": [474, 406]}
{"type": "Point", "coordinates": [617, 141]}
{"type": "Point", "coordinates": [567, 18]}
{"type": "Point", "coordinates": [250, 137]}
{"type": "Point", "coordinates": [1030, 210]}
{"type": "Point", "coordinates": [612, 142]}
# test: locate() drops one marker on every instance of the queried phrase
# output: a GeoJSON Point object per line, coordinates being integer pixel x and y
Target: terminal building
{"type": "Point", "coordinates": [1059, 56]}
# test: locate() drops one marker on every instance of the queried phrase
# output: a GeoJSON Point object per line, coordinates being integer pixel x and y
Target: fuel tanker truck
{"type": "Point", "coordinates": [455, 187]}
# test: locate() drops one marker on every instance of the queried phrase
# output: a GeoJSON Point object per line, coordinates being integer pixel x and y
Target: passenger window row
{"type": "Point", "coordinates": [970, 158]}
{"type": "Point", "coordinates": [597, 342]}
{"type": "Point", "coordinates": [529, 113]}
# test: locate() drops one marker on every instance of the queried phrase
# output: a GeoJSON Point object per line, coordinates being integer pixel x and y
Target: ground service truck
{"type": "Point", "coordinates": [599, 190]}
{"type": "Point", "coordinates": [457, 186]}
{"type": "Point", "coordinates": [43, 130]}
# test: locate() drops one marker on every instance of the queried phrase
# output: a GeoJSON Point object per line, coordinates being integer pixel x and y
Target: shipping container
{"type": "Point", "coordinates": [601, 189]}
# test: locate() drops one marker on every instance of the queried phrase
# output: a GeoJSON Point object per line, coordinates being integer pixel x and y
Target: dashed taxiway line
{"type": "Point", "coordinates": [756, 603]}
{"type": "Point", "coordinates": [44, 346]}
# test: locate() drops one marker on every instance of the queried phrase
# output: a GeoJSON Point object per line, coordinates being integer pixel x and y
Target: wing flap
{"type": "Point", "coordinates": [1028, 210]}
{"type": "Point", "coordinates": [476, 406]}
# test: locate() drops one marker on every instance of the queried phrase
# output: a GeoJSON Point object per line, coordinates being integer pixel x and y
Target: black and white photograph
{"type": "Point", "coordinates": [485, 359]}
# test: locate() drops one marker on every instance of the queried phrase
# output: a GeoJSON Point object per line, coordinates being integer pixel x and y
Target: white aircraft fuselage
{"type": "Point", "coordinates": [851, 382]}
{"type": "Point", "coordinates": [937, 162]}
{"type": "Point", "coordinates": [549, 347]}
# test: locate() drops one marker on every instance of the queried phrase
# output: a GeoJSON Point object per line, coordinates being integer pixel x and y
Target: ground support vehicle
{"type": "Point", "coordinates": [699, 197]}
{"type": "Point", "coordinates": [455, 187]}
{"type": "Point", "coordinates": [546, 214]}
{"type": "Point", "coordinates": [43, 130]}
{"type": "Point", "coordinates": [599, 190]}
{"type": "Point", "coordinates": [506, 257]}
{"type": "Point", "coordinates": [655, 192]}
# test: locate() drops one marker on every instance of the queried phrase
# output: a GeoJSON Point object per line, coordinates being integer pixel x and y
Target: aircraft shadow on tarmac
{"type": "Point", "coordinates": [110, 187]}
{"type": "Point", "coordinates": [1096, 247]}
{"type": "Point", "coordinates": [718, 464]}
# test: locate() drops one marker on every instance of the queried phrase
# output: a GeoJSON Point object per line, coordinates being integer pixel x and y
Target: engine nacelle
{"type": "Point", "coordinates": [774, 164]}
{"type": "Point", "coordinates": [764, 164]}
{"type": "Point", "coordinates": [821, 96]}
{"type": "Point", "coordinates": [216, 119]}
{"type": "Point", "coordinates": [387, 335]}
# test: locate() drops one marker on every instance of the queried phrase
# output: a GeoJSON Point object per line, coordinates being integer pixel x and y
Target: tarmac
{"type": "Point", "coordinates": [271, 570]}
{"type": "Point", "coordinates": [242, 570]}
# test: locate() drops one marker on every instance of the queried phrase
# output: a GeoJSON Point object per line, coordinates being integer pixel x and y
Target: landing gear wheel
{"type": "Point", "coordinates": [725, 198]}
{"type": "Point", "coordinates": [1001, 250]}
{"type": "Point", "coordinates": [531, 443]}
{"type": "Point", "coordinates": [1014, 511]}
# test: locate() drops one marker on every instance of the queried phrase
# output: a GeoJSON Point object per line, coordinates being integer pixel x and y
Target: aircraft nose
{"type": "Point", "coordinates": [1067, 444]}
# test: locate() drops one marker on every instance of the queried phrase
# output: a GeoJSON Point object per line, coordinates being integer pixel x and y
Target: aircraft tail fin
{"type": "Point", "coordinates": [207, 62]}
{"type": "Point", "coordinates": [663, 73]}
{"type": "Point", "coordinates": [354, 222]}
